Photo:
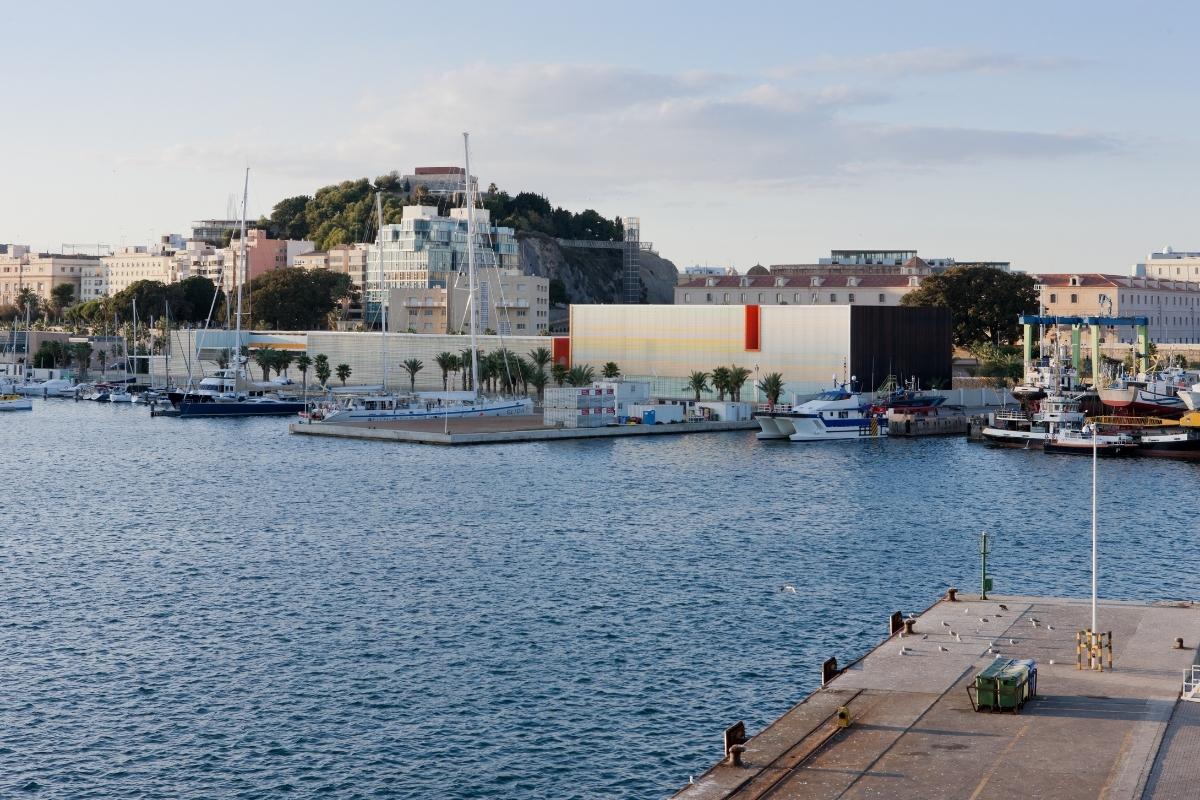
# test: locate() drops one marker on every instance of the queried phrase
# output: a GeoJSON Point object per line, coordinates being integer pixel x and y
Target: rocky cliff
{"type": "Point", "coordinates": [594, 276]}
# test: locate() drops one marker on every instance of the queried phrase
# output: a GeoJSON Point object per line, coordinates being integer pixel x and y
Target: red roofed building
{"type": "Point", "coordinates": [1172, 306]}
{"type": "Point", "coordinates": [867, 290]}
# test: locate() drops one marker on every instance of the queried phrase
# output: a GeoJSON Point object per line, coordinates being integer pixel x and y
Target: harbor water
{"type": "Point", "coordinates": [215, 608]}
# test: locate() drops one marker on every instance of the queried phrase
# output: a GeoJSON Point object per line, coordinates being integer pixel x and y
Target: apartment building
{"type": "Point", "coordinates": [511, 303]}
{"type": "Point", "coordinates": [1169, 265]}
{"type": "Point", "coordinates": [138, 263]}
{"type": "Point", "coordinates": [425, 250]}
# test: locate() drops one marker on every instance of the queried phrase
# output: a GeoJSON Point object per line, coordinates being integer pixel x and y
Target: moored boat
{"type": "Point", "coordinates": [834, 414]}
{"type": "Point", "coordinates": [1157, 394]}
{"type": "Point", "coordinates": [15, 402]}
{"type": "Point", "coordinates": [1042, 420]}
{"type": "Point", "coordinates": [1084, 441]}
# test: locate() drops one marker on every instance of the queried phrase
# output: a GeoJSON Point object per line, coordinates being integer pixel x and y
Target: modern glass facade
{"type": "Point", "coordinates": [424, 250]}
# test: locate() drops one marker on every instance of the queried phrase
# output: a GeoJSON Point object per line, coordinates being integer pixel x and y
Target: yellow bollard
{"type": "Point", "coordinates": [843, 717]}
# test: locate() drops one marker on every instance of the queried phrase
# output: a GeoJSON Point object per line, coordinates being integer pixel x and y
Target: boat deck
{"type": "Point", "coordinates": [1114, 734]}
{"type": "Point", "coordinates": [497, 430]}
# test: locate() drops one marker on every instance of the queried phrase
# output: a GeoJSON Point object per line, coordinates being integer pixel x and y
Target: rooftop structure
{"type": "Point", "coordinates": [214, 231]}
{"type": "Point", "coordinates": [440, 181]}
{"type": "Point", "coordinates": [880, 262]}
{"type": "Point", "coordinates": [868, 289]}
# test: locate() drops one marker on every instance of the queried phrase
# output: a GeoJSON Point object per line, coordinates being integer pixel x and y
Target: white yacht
{"type": "Point", "coordinates": [53, 387]}
{"type": "Point", "coordinates": [831, 415]}
{"type": "Point", "coordinates": [426, 405]}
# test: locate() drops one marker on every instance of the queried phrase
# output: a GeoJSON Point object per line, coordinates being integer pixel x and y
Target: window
{"type": "Point", "coordinates": [725, 298]}
{"type": "Point", "coordinates": [1053, 298]}
{"type": "Point", "coordinates": [708, 297]}
{"type": "Point", "coordinates": [1074, 298]}
{"type": "Point", "coordinates": [832, 297]}
{"type": "Point", "coordinates": [881, 297]}
{"type": "Point", "coordinates": [743, 297]}
{"type": "Point", "coordinates": [687, 297]}
{"type": "Point", "coordinates": [852, 297]}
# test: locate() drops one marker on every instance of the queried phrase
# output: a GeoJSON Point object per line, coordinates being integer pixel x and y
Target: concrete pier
{"type": "Point", "coordinates": [499, 430]}
{"type": "Point", "coordinates": [1120, 733]}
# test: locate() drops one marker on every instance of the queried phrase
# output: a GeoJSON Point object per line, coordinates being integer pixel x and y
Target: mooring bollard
{"type": "Point", "coordinates": [909, 624]}
{"type": "Point", "coordinates": [735, 755]}
{"type": "Point", "coordinates": [952, 594]}
{"type": "Point", "coordinates": [1178, 642]}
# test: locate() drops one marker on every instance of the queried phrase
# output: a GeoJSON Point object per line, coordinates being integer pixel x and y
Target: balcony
{"type": "Point", "coordinates": [513, 303]}
{"type": "Point", "coordinates": [424, 302]}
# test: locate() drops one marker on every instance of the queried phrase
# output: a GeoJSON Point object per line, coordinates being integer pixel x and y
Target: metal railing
{"type": "Point", "coordinates": [1191, 684]}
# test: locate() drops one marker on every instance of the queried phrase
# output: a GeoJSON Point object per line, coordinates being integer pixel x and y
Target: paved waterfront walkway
{"type": "Point", "coordinates": [914, 735]}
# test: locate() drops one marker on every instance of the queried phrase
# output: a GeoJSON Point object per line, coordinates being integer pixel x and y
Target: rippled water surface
{"type": "Point", "coordinates": [218, 609]}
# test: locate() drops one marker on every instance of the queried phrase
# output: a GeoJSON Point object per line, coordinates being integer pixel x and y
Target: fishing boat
{"type": "Point", "coordinates": [386, 407]}
{"type": "Point", "coordinates": [907, 399]}
{"type": "Point", "coordinates": [1083, 441]}
{"type": "Point", "coordinates": [1033, 424]}
{"type": "Point", "coordinates": [1190, 396]}
{"type": "Point", "coordinates": [15, 402]}
{"type": "Point", "coordinates": [1157, 393]}
{"type": "Point", "coordinates": [835, 414]}
{"type": "Point", "coordinates": [1175, 442]}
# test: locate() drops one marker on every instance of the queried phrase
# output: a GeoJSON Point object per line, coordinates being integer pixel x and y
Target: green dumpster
{"type": "Point", "coordinates": [1003, 685]}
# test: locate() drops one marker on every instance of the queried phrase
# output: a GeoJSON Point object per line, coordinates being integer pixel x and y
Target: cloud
{"type": "Point", "coordinates": [579, 130]}
{"type": "Point", "coordinates": [925, 61]}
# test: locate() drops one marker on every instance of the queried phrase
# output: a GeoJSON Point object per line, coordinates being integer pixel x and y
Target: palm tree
{"type": "Point", "coordinates": [581, 375]}
{"type": "Point", "coordinates": [283, 360]}
{"type": "Point", "coordinates": [445, 361]}
{"type": "Point", "coordinates": [322, 369]}
{"type": "Point", "coordinates": [303, 362]}
{"type": "Point", "coordinates": [772, 386]}
{"type": "Point", "coordinates": [343, 372]}
{"type": "Point", "coordinates": [412, 366]}
{"type": "Point", "coordinates": [223, 356]}
{"type": "Point", "coordinates": [698, 382]}
{"type": "Point", "coordinates": [27, 300]}
{"type": "Point", "coordinates": [559, 372]}
{"type": "Point", "coordinates": [541, 357]}
{"type": "Point", "coordinates": [525, 372]}
{"type": "Point", "coordinates": [538, 381]}
{"type": "Point", "coordinates": [464, 363]}
{"type": "Point", "coordinates": [611, 370]}
{"type": "Point", "coordinates": [737, 377]}
{"type": "Point", "coordinates": [265, 359]}
{"type": "Point", "coordinates": [720, 382]}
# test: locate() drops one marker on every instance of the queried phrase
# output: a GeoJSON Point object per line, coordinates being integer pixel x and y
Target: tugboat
{"type": "Point", "coordinates": [1084, 440]}
{"type": "Point", "coordinates": [834, 414]}
{"type": "Point", "coordinates": [908, 399]}
{"type": "Point", "coordinates": [1035, 423]}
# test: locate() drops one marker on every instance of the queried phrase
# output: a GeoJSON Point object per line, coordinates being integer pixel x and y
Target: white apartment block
{"type": "Point", "coordinates": [1169, 265]}
{"type": "Point", "coordinates": [139, 263]}
{"type": "Point", "coordinates": [41, 272]}
{"type": "Point", "coordinates": [425, 250]}
{"type": "Point", "coordinates": [511, 304]}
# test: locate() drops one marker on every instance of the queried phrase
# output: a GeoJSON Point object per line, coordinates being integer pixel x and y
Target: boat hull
{"type": "Point", "coordinates": [513, 409]}
{"type": "Point", "coordinates": [1084, 448]}
{"type": "Point", "coordinates": [282, 408]}
{"type": "Point", "coordinates": [1001, 437]}
{"type": "Point", "coordinates": [1184, 446]}
{"type": "Point", "coordinates": [16, 404]}
{"type": "Point", "coordinates": [1140, 402]}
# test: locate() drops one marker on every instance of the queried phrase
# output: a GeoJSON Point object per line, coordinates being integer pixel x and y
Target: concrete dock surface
{"type": "Point", "coordinates": [1122, 733]}
{"type": "Point", "coordinates": [498, 430]}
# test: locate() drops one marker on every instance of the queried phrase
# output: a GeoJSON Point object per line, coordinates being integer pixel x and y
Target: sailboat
{"type": "Point", "coordinates": [235, 395]}
{"type": "Point", "coordinates": [433, 405]}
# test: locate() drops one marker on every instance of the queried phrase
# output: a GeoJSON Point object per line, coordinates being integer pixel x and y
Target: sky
{"type": "Point", "coordinates": [1058, 136]}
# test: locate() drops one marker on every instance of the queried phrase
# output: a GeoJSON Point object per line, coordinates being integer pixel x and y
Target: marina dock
{"type": "Point", "coordinates": [500, 430]}
{"type": "Point", "coordinates": [912, 732]}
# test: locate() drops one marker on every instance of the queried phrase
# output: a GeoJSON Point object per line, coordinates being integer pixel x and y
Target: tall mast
{"type": "Point", "coordinates": [383, 297]}
{"type": "Point", "coordinates": [470, 195]}
{"type": "Point", "coordinates": [239, 274]}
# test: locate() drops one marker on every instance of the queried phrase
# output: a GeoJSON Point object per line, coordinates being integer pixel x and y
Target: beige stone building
{"type": "Point", "coordinates": [41, 272]}
{"type": "Point", "coordinates": [1172, 306]}
{"type": "Point", "coordinates": [874, 290]}
{"type": "Point", "coordinates": [512, 304]}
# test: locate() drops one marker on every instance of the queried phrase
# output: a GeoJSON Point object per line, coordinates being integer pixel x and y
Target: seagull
{"type": "Point", "coordinates": [983, 619]}
{"type": "Point", "coordinates": [957, 638]}
{"type": "Point", "coordinates": [966, 611]}
{"type": "Point", "coordinates": [691, 781]}
{"type": "Point", "coordinates": [1049, 627]}
{"type": "Point", "coordinates": [1035, 624]}
{"type": "Point", "coordinates": [945, 624]}
{"type": "Point", "coordinates": [903, 651]}
{"type": "Point", "coordinates": [1012, 641]}
{"type": "Point", "coordinates": [1052, 662]}
{"type": "Point", "coordinates": [787, 587]}
{"type": "Point", "coordinates": [1003, 607]}
{"type": "Point", "coordinates": [990, 651]}
{"type": "Point", "coordinates": [944, 650]}
{"type": "Point", "coordinates": [924, 636]}
{"type": "Point", "coordinates": [1034, 620]}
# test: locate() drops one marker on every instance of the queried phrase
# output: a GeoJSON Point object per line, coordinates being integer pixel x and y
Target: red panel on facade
{"type": "Point", "coordinates": [752, 328]}
{"type": "Point", "coordinates": [560, 350]}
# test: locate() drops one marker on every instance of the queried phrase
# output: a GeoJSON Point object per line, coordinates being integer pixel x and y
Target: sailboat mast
{"type": "Point", "coordinates": [237, 276]}
{"type": "Point", "coordinates": [134, 362]}
{"type": "Point", "coordinates": [470, 195]}
{"type": "Point", "coordinates": [383, 299]}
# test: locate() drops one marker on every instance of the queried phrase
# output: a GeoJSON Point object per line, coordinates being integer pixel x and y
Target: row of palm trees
{"type": "Point", "coordinates": [730, 380]}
